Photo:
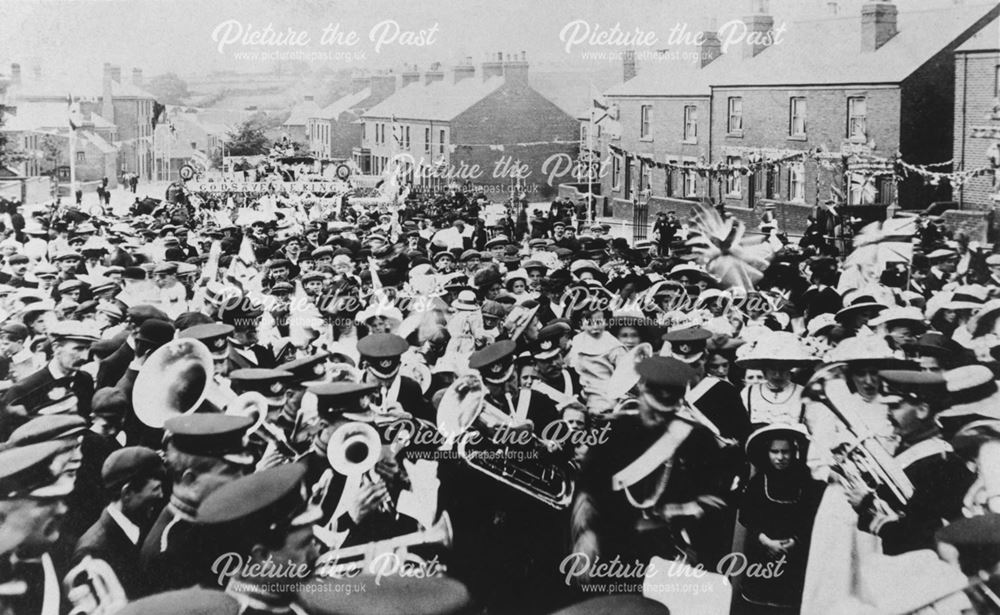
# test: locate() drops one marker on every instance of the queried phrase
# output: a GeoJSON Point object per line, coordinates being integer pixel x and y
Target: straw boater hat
{"type": "Point", "coordinates": [974, 396]}
{"type": "Point", "coordinates": [760, 440]}
{"type": "Point", "coordinates": [910, 315]}
{"type": "Point", "coordinates": [857, 304]}
{"type": "Point", "coordinates": [776, 348]}
{"type": "Point", "coordinates": [989, 310]}
{"type": "Point", "coordinates": [970, 297]}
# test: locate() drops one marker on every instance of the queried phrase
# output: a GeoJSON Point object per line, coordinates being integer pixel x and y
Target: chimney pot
{"type": "Point", "coordinates": [758, 25]}
{"type": "Point", "coordinates": [628, 64]}
{"type": "Point", "coordinates": [878, 24]}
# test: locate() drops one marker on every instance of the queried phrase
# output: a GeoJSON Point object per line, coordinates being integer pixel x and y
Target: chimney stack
{"type": "Point", "coordinates": [359, 82]}
{"type": "Point", "coordinates": [758, 24]}
{"type": "Point", "coordinates": [464, 70]}
{"type": "Point", "coordinates": [493, 67]}
{"type": "Point", "coordinates": [628, 64]}
{"type": "Point", "coordinates": [15, 74]}
{"type": "Point", "coordinates": [711, 46]}
{"type": "Point", "coordinates": [137, 76]}
{"type": "Point", "coordinates": [433, 74]}
{"type": "Point", "coordinates": [515, 69]}
{"type": "Point", "coordinates": [116, 73]}
{"type": "Point", "coordinates": [410, 75]}
{"type": "Point", "coordinates": [383, 86]}
{"type": "Point", "coordinates": [107, 102]}
{"type": "Point", "coordinates": [878, 25]}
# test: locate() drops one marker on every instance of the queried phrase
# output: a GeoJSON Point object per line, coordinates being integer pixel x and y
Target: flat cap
{"type": "Point", "coordinates": [26, 471]}
{"type": "Point", "coordinates": [128, 464]}
{"type": "Point", "coordinates": [110, 401]}
{"type": "Point", "coordinates": [47, 428]}
{"type": "Point", "coordinates": [73, 330]}
{"type": "Point", "coordinates": [138, 314]}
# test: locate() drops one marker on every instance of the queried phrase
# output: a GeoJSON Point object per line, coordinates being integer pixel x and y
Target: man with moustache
{"type": "Point", "coordinates": [32, 492]}
{"type": "Point", "coordinates": [18, 263]}
{"type": "Point", "coordinates": [60, 387]}
{"type": "Point", "coordinates": [133, 480]}
{"type": "Point", "coordinates": [266, 521]}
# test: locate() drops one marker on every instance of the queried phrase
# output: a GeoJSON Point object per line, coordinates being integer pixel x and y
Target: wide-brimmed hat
{"type": "Point", "coordinates": [759, 441]}
{"type": "Point", "coordinates": [969, 438]}
{"type": "Point", "coordinates": [990, 309]}
{"type": "Point", "coordinates": [971, 297]}
{"type": "Point", "coordinates": [974, 396]}
{"type": "Point", "coordinates": [860, 350]}
{"type": "Point", "coordinates": [857, 304]}
{"type": "Point", "coordinates": [776, 348]}
{"type": "Point", "coordinates": [465, 302]}
{"type": "Point", "coordinates": [899, 314]}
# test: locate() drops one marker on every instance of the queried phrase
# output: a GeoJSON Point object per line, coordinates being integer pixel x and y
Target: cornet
{"type": "Point", "coordinates": [360, 556]}
{"type": "Point", "coordinates": [94, 589]}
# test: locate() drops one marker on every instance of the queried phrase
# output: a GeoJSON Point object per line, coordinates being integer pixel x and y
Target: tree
{"type": "Point", "coordinates": [51, 147]}
{"type": "Point", "coordinates": [248, 139]}
{"type": "Point", "coordinates": [169, 89]}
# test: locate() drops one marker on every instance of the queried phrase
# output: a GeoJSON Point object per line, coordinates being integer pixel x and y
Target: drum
{"type": "Point", "coordinates": [391, 596]}
{"type": "Point", "coordinates": [614, 605]}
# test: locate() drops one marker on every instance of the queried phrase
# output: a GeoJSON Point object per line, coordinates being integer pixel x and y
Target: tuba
{"type": "Point", "coordinates": [353, 450]}
{"type": "Point", "coordinates": [466, 418]}
{"type": "Point", "coordinates": [864, 463]}
{"type": "Point", "coordinates": [94, 589]}
{"type": "Point", "coordinates": [177, 379]}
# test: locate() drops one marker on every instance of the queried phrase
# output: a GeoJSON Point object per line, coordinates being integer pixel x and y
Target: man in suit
{"type": "Point", "coordinates": [111, 369]}
{"type": "Point", "coordinates": [133, 480]}
{"type": "Point", "coordinates": [60, 387]}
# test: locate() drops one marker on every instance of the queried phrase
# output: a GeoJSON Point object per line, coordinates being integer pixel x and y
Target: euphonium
{"type": "Point", "coordinates": [864, 463]}
{"type": "Point", "coordinates": [463, 406]}
{"type": "Point", "coordinates": [94, 589]}
{"type": "Point", "coordinates": [177, 379]}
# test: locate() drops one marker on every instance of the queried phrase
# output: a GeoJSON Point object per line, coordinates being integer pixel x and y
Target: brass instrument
{"type": "Point", "coordinates": [94, 589]}
{"type": "Point", "coordinates": [463, 406]}
{"type": "Point", "coordinates": [353, 450]}
{"type": "Point", "coordinates": [254, 406]}
{"type": "Point", "coordinates": [863, 463]}
{"type": "Point", "coordinates": [357, 557]}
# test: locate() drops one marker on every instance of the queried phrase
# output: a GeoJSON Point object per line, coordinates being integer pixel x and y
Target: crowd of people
{"type": "Point", "coordinates": [279, 404]}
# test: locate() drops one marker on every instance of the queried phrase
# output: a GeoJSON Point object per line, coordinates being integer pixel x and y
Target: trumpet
{"type": "Point", "coordinates": [463, 405]}
{"type": "Point", "coordinates": [94, 589]}
{"type": "Point", "coordinates": [863, 463]}
{"type": "Point", "coordinates": [360, 556]}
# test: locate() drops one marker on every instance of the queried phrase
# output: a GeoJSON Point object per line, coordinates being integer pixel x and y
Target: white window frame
{"type": "Point", "coordinates": [616, 172]}
{"type": "Point", "coordinates": [734, 122]}
{"type": "Point", "coordinates": [797, 110]}
{"type": "Point", "coordinates": [689, 180]}
{"type": "Point", "coordinates": [853, 116]}
{"type": "Point", "coordinates": [645, 125]}
{"type": "Point", "coordinates": [427, 140]}
{"type": "Point", "coordinates": [690, 123]}
{"type": "Point", "coordinates": [797, 182]}
{"type": "Point", "coordinates": [734, 181]}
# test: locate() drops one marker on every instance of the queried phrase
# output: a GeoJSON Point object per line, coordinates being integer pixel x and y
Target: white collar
{"type": "Point", "coordinates": [131, 530]}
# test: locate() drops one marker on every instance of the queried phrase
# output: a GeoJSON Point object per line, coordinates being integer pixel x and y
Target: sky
{"type": "Point", "coordinates": [183, 36]}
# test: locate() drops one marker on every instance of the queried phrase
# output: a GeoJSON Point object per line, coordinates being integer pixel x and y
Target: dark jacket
{"type": "Point", "coordinates": [106, 540]}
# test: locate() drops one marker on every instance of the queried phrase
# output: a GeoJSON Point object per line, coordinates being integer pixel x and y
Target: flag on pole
{"type": "Point", "coordinates": [75, 117]}
{"type": "Point", "coordinates": [158, 111]}
{"type": "Point", "coordinates": [395, 135]}
{"type": "Point", "coordinates": [598, 105]}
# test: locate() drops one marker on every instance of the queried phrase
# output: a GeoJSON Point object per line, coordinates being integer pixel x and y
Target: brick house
{"type": "Point", "coordinates": [130, 108]}
{"type": "Point", "coordinates": [335, 130]}
{"type": "Point", "coordinates": [295, 126]}
{"type": "Point", "coordinates": [977, 121]}
{"type": "Point", "coordinates": [869, 84]}
{"type": "Point", "coordinates": [473, 129]}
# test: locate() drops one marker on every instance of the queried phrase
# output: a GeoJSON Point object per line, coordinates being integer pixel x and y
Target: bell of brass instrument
{"type": "Point", "coordinates": [94, 589]}
{"type": "Point", "coordinates": [176, 379]}
{"type": "Point", "coordinates": [254, 406]}
{"type": "Point", "coordinates": [360, 556]}
{"type": "Point", "coordinates": [864, 463]}
{"type": "Point", "coordinates": [353, 450]}
{"type": "Point", "coordinates": [464, 408]}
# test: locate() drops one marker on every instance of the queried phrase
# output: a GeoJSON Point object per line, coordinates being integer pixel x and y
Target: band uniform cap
{"type": "Point", "coordinates": [267, 382]}
{"type": "Point", "coordinates": [666, 373]}
{"type": "Point", "coordinates": [138, 314]}
{"type": "Point", "coordinates": [493, 355]}
{"type": "Point", "coordinates": [155, 331]}
{"type": "Point", "coordinates": [688, 344]}
{"type": "Point", "coordinates": [382, 345]}
{"type": "Point", "coordinates": [547, 344]}
{"type": "Point", "coordinates": [271, 499]}
{"type": "Point", "coordinates": [191, 601]}
{"type": "Point", "coordinates": [211, 435]}
{"type": "Point", "coordinates": [27, 471]}
{"type": "Point", "coordinates": [214, 335]}
{"type": "Point", "coordinates": [306, 369]}
{"type": "Point", "coordinates": [15, 331]}
{"type": "Point", "coordinates": [74, 331]}
{"type": "Point", "coordinates": [47, 428]}
{"type": "Point", "coordinates": [332, 397]}
{"type": "Point", "coordinates": [128, 464]}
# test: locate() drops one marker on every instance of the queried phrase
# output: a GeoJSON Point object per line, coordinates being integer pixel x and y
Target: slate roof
{"type": "Point", "coordinates": [342, 104]}
{"type": "Point", "coordinates": [439, 101]}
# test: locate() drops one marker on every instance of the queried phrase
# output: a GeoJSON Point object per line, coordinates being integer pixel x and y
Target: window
{"type": "Point", "coordinates": [690, 180]}
{"type": "Point", "coordinates": [796, 182]}
{"type": "Point", "coordinates": [441, 143]}
{"type": "Point", "coordinates": [81, 157]}
{"type": "Point", "coordinates": [616, 172]}
{"type": "Point", "coordinates": [734, 180]}
{"type": "Point", "coordinates": [427, 140]}
{"type": "Point", "coordinates": [690, 123]}
{"type": "Point", "coordinates": [668, 181]}
{"type": "Point", "coordinates": [647, 177]}
{"type": "Point", "coordinates": [797, 117]}
{"type": "Point", "coordinates": [735, 125]}
{"type": "Point", "coordinates": [364, 131]}
{"type": "Point", "coordinates": [644, 112]}
{"type": "Point", "coordinates": [406, 137]}
{"type": "Point", "coordinates": [857, 113]}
